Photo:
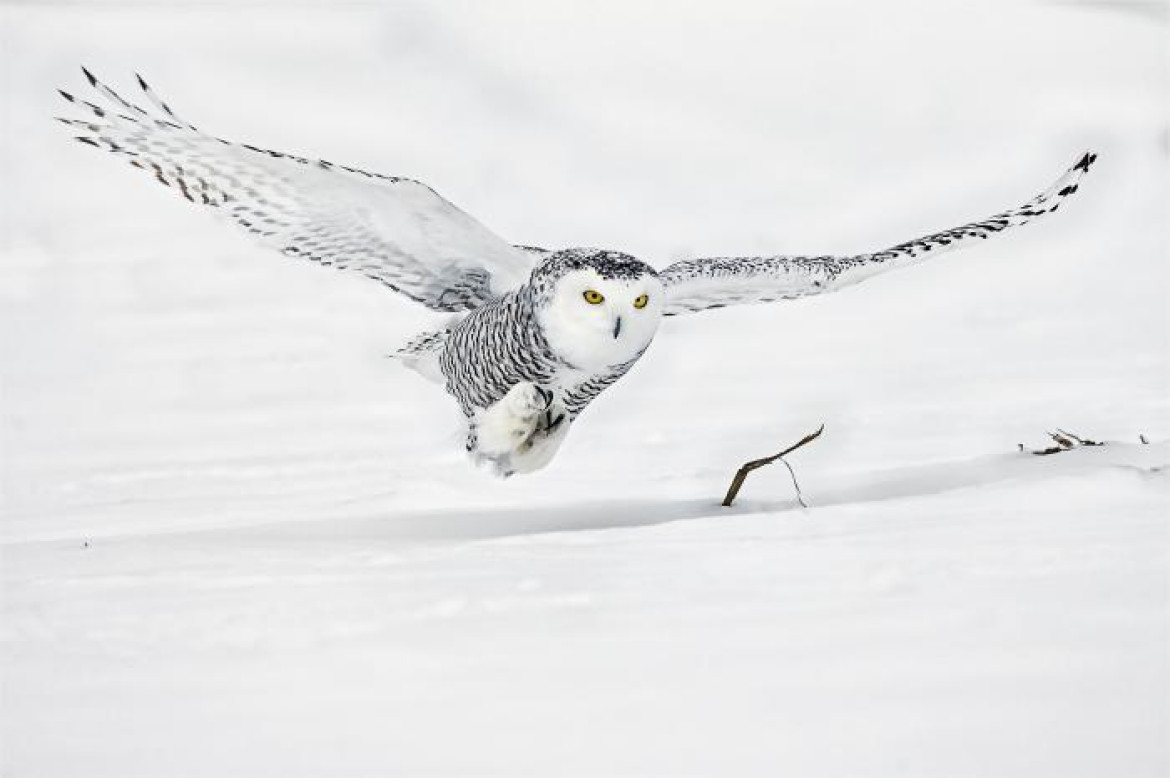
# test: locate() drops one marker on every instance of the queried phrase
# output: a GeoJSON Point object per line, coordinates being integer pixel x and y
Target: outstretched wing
{"type": "Point", "coordinates": [394, 230]}
{"type": "Point", "coordinates": [699, 284]}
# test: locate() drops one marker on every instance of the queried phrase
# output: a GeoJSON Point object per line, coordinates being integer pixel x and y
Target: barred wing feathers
{"type": "Point", "coordinates": [394, 230]}
{"type": "Point", "coordinates": [701, 284]}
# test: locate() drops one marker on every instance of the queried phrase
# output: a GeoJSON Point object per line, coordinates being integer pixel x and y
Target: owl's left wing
{"type": "Point", "coordinates": [700, 284]}
{"type": "Point", "coordinates": [395, 230]}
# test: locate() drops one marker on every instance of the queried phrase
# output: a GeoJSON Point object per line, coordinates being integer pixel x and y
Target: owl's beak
{"type": "Point", "coordinates": [617, 327]}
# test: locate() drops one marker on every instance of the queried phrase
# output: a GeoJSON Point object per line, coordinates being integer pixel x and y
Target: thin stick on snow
{"type": "Point", "coordinates": [1079, 440]}
{"type": "Point", "coordinates": [1065, 441]}
{"type": "Point", "coordinates": [742, 474]}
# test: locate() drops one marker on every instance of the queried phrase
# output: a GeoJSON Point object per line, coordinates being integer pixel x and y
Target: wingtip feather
{"type": "Point", "coordinates": [1086, 161]}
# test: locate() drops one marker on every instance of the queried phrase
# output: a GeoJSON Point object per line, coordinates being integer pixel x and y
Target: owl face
{"type": "Point", "coordinates": [597, 315]}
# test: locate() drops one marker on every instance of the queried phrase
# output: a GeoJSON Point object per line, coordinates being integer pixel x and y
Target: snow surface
{"type": "Point", "coordinates": [238, 541]}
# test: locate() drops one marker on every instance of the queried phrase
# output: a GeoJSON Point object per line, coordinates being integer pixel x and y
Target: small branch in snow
{"type": "Point", "coordinates": [1079, 441]}
{"type": "Point", "coordinates": [1065, 441]}
{"type": "Point", "coordinates": [742, 474]}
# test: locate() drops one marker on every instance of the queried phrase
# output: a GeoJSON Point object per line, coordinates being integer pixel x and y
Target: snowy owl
{"type": "Point", "coordinates": [534, 335]}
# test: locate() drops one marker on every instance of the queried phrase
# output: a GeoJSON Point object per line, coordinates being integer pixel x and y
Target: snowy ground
{"type": "Point", "coordinates": [237, 541]}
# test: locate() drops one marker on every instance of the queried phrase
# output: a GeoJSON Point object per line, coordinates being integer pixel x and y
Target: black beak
{"type": "Point", "coordinates": [617, 327]}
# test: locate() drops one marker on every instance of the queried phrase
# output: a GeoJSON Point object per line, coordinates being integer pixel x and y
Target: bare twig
{"type": "Point", "coordinates": [1079, 441]}
{"type": "Point", "coordinates": [742, 474]}
{"type": "Point", "coordinates": [1043, 452]}
{"type": "Point", "coordinates": [795, 483]}
{"type": "Point", "coordinates": [1065, 441]}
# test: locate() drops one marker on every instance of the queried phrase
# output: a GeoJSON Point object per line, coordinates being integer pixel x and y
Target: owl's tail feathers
{"type": "Point", "coordinates": [421, 353]}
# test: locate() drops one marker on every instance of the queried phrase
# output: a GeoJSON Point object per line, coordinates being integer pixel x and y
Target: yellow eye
{"type": "Point", "coordinates": [593, 298]}
{"type": "Point", "coordinates": [641, 300]}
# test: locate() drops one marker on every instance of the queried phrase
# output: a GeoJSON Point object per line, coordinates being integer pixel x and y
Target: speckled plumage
{"type": "Point", "coordinates": [524, 354]}
{"type": "Point", "coordinates": [501, 343]}
{"type": "Point", "coordinates": [701, 284]}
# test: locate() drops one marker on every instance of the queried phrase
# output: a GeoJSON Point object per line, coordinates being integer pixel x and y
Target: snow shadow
{"type": "Point", "coordinates": [831, 490]}
{"type": "Point", "coordinates": [489, 523]}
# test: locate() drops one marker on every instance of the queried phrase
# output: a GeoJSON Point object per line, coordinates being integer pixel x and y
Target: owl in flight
{"type": "Point", "coordinates": [534, 334]}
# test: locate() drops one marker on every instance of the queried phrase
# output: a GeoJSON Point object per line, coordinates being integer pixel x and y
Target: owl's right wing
{"type": "Point", "coordinates": [394, 230]}
{"type": "Point", "coordinates": [700, 284]}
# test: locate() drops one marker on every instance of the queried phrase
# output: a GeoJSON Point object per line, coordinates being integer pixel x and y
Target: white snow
{"type": "Point", "coordinates": [238, 541]}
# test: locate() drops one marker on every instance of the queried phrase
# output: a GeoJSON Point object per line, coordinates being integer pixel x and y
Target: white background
{"type": "Point", "coordinates": [237, 540]}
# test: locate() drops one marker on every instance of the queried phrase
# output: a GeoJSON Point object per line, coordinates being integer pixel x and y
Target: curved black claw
{"type": "Point", "coordinates": [550, 423]}
{"type": "Point", "coordinates": [546, 396]}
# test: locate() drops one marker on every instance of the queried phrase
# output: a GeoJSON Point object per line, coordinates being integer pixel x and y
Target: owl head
{"type": "Point", "coordinates": [597, 308]}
